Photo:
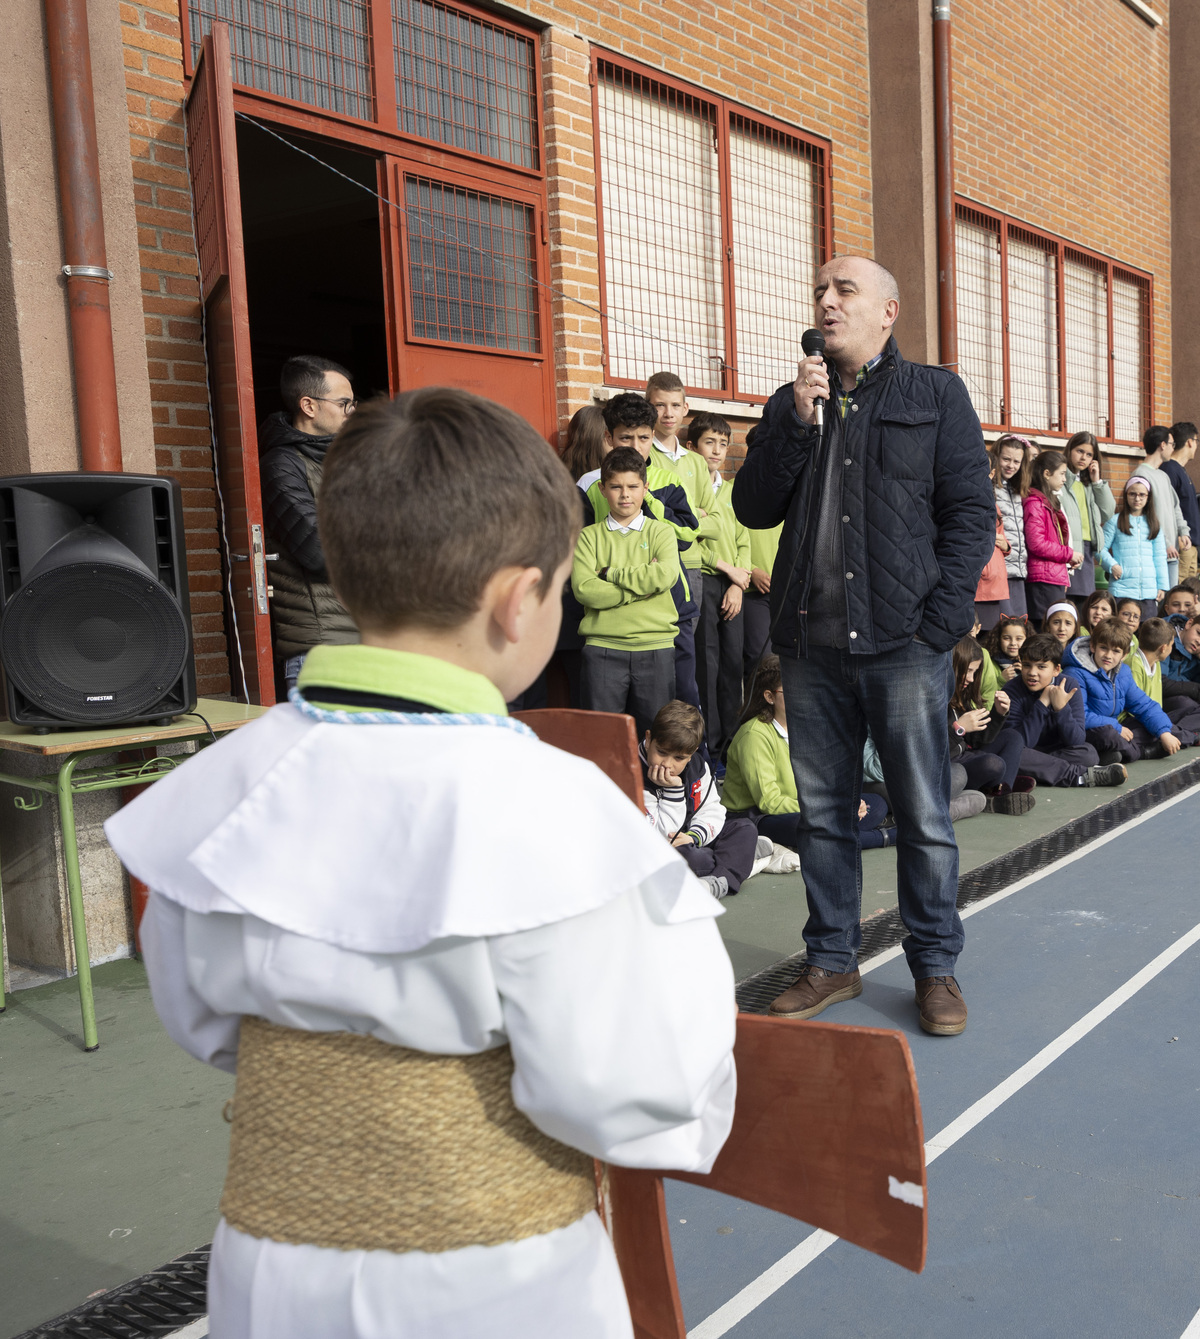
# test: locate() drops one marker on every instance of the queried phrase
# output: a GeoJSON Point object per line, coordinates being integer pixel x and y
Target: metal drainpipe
{"type": "Point", "coordinates": [83, 234]}
{"type": "Point", "coordinates": [943, 132]}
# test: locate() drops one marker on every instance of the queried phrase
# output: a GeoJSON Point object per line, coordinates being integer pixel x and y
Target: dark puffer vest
{"type": "Point", "coordinates": [304, 610]}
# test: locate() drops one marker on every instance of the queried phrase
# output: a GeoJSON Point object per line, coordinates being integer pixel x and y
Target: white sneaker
{"type": "Point", "coordinates": [717, 885]}
{"type": "Point", "coordinates": [764, 848]}
{"type": "Point", "coordinates": [783, 861]}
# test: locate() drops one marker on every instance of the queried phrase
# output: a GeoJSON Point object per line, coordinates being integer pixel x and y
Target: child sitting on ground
{"type": "Point", "coordinates": [682, 801]}
{"type": "Point", "coordinates": [1046, 713]}
{"type": "Point", "coordinates": [725, 564]}
{"type": "Point", "coordinates": [1181, 669]}
{"type": "Point", "coordinates": [1178, 600]}
{"type": "Point", "coordinates": [1003, 644]}
{"type": "Point", "coordinates": [624, 570]}
{"type": "Point", "coordinates": [1098, 606]}
{"type": "Point", "coordinates": [1098, 662]}
{"type": "Point", "coordinates": [1155, 642]}
{"type": "Point", "coordinates": [438, 1012]}
{"type": "Point", "coordinates": [977, 743]}
{"type": "Point", "coordinates": [760, 783]}
{"type": "Point", "coordinates": [1062, 621]}
{"type": "Point", "coordinates": [1129, 612]}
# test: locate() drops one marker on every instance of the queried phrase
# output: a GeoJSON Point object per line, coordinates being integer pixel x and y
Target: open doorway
{"type": "Point", "coordinates": [314, 268]}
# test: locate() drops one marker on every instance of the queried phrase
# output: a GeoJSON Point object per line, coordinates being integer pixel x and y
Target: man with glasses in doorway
{"type": "Point", "coordinates": [305, 612]}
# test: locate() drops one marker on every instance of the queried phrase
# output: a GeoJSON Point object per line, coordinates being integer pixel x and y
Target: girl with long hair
{"type": "Point", "coordinates": [585, 446]}
{"type": "Point", "coordinates": [989, 755]}
{"type": "Point", "coordinates": [1004, 644]}
{"type": "Point", "coordinates": [1088, 502]}
{"type": "Point", "coordinates": [1098, 606]}
{"type": "Point", "coordinates": [1052, 553]}
{"type": "Point", "coordinates": [1134, 552]}
{"type": "Point", "coordinates": [1010, 478]}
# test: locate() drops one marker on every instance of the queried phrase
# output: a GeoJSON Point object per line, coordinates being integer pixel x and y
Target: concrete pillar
{"type": "Point", "coordinates": [38, 428]}
{"type": "Point", "coordinates": [900, 35]}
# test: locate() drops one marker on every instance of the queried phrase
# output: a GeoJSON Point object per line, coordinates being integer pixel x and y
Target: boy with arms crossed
{"type": "Point", "coordinates": [624, 571]}
{"type": "Point", "coordinates": [437, 1014]}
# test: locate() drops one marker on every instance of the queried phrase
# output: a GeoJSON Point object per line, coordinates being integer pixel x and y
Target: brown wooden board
{"type": "Point", "coordinates": [607, 739]}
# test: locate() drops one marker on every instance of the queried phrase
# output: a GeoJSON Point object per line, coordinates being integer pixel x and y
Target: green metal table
{"type": "Point", "coordinates": [69, 748]}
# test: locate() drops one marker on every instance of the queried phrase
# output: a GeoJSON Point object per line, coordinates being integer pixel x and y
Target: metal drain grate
{"type": "Point", "coordinates": [756, 992]}
{"type": "Point", "coordinates": [159, 1303]}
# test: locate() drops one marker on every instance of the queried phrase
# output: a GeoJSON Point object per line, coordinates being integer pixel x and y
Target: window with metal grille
{"type": "Point", "coordinates": [465, 82]}
{"type": "Point", "coordinates": [980, 315]}
{"type": "Point", "coordinates": [312, 51]}
{"type": "Point", "coordinates": [775, 194]}
{"type": "Point", "coordinates": [699, 200]}
{"type": "Point", "coordinates": [1051, 337]}
{"type": "Point", "coordinates": [471, 267]}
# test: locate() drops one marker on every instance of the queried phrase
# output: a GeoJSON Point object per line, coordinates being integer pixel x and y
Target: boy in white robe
{"type": "Point", "coordinates": [438, 1014]}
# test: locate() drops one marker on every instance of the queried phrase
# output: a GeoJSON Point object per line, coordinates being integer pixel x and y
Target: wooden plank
{"type": "Point", "coordinates": [222, 716]}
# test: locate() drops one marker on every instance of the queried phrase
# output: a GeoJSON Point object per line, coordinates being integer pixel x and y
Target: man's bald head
{"type": "Point", "coordinates": [885, 281]}
{"type": "Point", "coordinates": [857, 302]}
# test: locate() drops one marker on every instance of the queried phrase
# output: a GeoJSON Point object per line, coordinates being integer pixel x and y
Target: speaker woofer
{"type": "Point", "coordinates": [94, 642]}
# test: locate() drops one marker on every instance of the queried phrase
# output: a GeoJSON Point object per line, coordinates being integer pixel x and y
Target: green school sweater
{"type": "Point", "coordinates": [758, 771]}
{"type": "Point", "coordinates": [692, 472]}
{"type": "Point", "coordinates": [655, 478]}
{"type": "Point", "coordinates": [990, 679]}
{"type": "Point", "coordinates": [1147, 677]}
{"type": "Point", "coordinates": [764, 546]}
{"type": "Point", "coordinates": [630, 608]}
{"type": "Point", "coordinates": [727, 539]}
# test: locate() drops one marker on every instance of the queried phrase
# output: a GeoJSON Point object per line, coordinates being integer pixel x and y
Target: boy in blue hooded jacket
{"type": "Point", "coordinates": [1098, 663]}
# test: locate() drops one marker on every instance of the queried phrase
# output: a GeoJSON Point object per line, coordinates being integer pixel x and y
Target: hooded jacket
{"type": "Point", "coordinates": [914, 504]}
{"type": "Point", "coordinates": [1048, 538]}
{"type": "Point", "coordinates": [1012, 513]}
{"type": "Point", "coordinates": [1108, 694]}
{"type": "Point", "coordinates": [304, 610]}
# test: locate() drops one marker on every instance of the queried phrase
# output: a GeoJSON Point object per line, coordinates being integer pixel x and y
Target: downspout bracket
{"type": "Point", "coordinates": [87, 272]}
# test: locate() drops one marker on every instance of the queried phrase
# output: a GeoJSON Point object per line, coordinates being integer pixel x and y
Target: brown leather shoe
{"type": "Point", "coordinates": [814, 990]}
{"type": "Point", "coordinates": [943, 1009]}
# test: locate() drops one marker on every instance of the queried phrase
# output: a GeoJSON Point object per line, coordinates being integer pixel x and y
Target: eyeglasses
{"type": "Point", "coordinates": [348, 406]}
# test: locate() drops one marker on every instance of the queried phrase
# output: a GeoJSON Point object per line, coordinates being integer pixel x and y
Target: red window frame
{"type": "Point", "coordinates": [397, 149]}
{"type": "Point", "coordinates": [1064, 250]}
{"type": "Point", "coordinates": [724, 111]}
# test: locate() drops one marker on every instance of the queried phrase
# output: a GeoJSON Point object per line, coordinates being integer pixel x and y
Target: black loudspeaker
{"type": "Point", "coordinates": [96, 628]}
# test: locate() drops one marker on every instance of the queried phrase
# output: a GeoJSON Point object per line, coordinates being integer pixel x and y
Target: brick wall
{"type": "Point", "coordinates": [170, 300]}
{"type": "Point", "coordinates": [748, 53]}
{"type": "Point", "coordinates": [1062, 119]}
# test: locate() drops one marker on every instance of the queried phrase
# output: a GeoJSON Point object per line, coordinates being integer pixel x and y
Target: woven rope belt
{"type": "Point", "coordinates": [346, 1142]}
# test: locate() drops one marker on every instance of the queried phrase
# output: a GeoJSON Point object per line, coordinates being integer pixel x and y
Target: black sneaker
{"type": "Point", "coordinates": [1009, 802]}
{"type": "Point", "coordinates": [1152, 752]}
{"type": "Point", "coordinates": [1114, 774]}
{"type": "Point", "coordinates": [1109, 756]}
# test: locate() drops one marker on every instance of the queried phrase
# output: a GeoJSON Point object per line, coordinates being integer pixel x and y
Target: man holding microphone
{"type": "Point", "coordinates": [888, 519]}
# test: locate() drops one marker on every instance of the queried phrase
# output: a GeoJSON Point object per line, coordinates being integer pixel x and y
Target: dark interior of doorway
{"type": "Point", "coordinates": [314, 269]}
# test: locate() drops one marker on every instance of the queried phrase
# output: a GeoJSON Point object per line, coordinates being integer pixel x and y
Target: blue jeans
{"type": "Point", "coordinates": [832, 698]}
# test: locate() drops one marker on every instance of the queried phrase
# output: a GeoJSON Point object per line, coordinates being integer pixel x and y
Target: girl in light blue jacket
{"type": "Point", "coordinates": [1134, 552]}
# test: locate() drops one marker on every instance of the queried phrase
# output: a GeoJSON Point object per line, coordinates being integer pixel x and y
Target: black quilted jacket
{"type": "Point", "coordinates": [919, 518]}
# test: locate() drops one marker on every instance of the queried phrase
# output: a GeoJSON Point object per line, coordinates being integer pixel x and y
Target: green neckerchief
{"type": "Point", "coordinates": [373, 669]}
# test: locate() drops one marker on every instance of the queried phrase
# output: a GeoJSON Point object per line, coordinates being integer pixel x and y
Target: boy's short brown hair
{"type": "Point", "coordinates": [1113, 634]}
{"type": "Point", "coordinates": [703, 423]}
{"type": "Point", "coordinates": [1153, 633]}
{"type": "Point", "coordinates": [1041, 646]}
{"type": "Point", "coordinates": [623, 460]}
{"type": "Point", "coordinates": [678, 728]}
{"type": "Point", "coordinates": [663, 381]}
{"type": "Point", "coordinates": [426, 497]}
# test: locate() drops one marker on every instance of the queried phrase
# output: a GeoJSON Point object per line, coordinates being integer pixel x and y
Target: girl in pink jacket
{"type": "Point", "coordinates": [1052, 552]}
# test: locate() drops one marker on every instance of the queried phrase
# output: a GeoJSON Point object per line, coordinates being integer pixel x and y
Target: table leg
{"type": "Point", "coordinates": [83, 962]}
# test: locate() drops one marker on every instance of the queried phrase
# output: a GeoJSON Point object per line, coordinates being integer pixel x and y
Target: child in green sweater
{"type": "Point", "coordinates": [624, 569]}
{"type": "Point", "coordinates": [759, 781]}
{"type": "Point", "coordinates": [1152, 645]}
{"type": "Point", "coordinates": [725, 565]}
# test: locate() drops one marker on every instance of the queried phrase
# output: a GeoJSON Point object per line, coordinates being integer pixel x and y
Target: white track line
{"type": "Point", "coordinates": [771, 1280]}
{"type": "Point", "coordinates": [1193, 1330]}
{"type": "Point", "coordinates": [984, 902]}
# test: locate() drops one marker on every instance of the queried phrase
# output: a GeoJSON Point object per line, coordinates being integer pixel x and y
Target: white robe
{"type": "Point", "coordinates": [398, 881]}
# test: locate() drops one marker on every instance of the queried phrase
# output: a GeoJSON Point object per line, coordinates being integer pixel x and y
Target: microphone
{"type": "Point", "coordinates": [812, 341]}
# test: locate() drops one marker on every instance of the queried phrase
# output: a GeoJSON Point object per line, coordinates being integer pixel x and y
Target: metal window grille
{"type": "Point", "coordinates": [312, 51]}
{"type": "Point", "coordinates": [1131, 335]}
{"type": "Point", "coordinates": [1085, 331]}
{"type": "Point", "coordinates": [775, 185]}
{"type": "Point", "coordinates": [464, 82]}
{"type": "Point", "coordinates": [1032, 331]}
{"type": "Point", "coordinates": [980, 314]}
{"type": "Point", "coordinates": [471, 267]}
{"type": "Point", "coordinates": [661, 219]}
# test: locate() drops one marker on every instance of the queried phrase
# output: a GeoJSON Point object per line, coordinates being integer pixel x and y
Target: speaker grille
{"type": "Point", "coordinates": [93, 642]}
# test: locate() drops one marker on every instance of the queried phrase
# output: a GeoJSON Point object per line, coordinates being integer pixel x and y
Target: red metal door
{"type": "Point", "coordinates": [469, 263]}
{"type": "Point", "coordinates": [212, 151]}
